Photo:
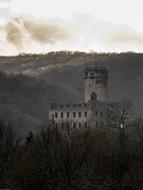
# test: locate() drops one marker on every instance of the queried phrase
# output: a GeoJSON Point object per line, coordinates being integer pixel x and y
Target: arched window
{"type": "Point", "coordinates": [93, 96]}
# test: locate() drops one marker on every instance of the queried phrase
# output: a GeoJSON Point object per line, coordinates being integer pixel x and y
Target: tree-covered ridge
{"type": "Point", "coordinates": [24, 100]}
{"type": "Point", "coordinates": [23, 62]}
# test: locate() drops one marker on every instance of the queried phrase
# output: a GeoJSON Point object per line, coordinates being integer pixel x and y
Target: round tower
{"type": "Point", "coordinates": [95, 83]}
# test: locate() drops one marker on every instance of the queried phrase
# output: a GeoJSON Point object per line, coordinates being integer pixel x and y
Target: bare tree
{"type": "Point", "coordinates": [8, 147]}
{"type": "Point", "coordinates": [126, 110]}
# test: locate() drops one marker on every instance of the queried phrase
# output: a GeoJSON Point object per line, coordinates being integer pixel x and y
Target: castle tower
{"type": "Point", "coordinates": [95, 84]}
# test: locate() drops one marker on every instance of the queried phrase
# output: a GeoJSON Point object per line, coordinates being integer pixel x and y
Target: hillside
{"type": "Point", "coordinates": [31, 81]}
{"type": "Point", "coordinates": [24, 101]}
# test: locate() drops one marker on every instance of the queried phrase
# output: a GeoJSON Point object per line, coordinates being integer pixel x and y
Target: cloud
{"type": "Point", "coordinates": [94, 31]}
{"type": "Point", "coordinates": [5, 12]}
{"type": "Point", "coordinates": [122, 34]}
{"type": "Point", "coordinates": [83, 32]}
{"type": "Point", "coordinates": [14, 33]}
{"type": "Point", "coordinates": [21, 30]}
{"type": "Point", "coordinates": [44, 32]}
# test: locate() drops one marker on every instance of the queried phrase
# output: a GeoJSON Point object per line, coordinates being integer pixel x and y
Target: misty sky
{"type": "Point", "coordinates": [36, 26]}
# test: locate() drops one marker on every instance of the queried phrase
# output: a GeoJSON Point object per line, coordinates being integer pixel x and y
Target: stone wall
{"type": "Point", "coordinates": [94, 113]}
{"type": "Point", "coordinates": [95, 80]}
{"type": "Point", "coordinates": [77, 115]}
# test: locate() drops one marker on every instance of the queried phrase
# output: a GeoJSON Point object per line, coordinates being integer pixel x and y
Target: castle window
{"type": "Point", "coordinates": [67, 114]}
{"type": "Point", "coordinates": [74, 114]}
{"type": "Point", "coordinates": [93, 96]}
{"type": "Point", "coordinates": [98, 81]}
{"type": "Point", "coordinates": [74, 125]}
{"type": "Point", "coordinates": [52, 116]}
{"type": "Point", "coordinates": [56, 124]}
{"type": "Point", "coordinates": [96, 113]}
{"type": "Point", "coordinates": [92, 75]}
{"type": "Point", "coordinates": [79, 114]}
{"type": "Point", "coordinates": [85, 124]}
{"type": "Point", "coordinates": [85, 113]}
{"type": "Point", "coordinates": [62, 114]}
{"type": "Point", "coordinates": [67, 124]}
{"type": "Point", "coordinates": [96, 124]}
{"type": "Point", "coordinates": [79, 124]}
{"type": "Point", "coordinates": [56, 114]}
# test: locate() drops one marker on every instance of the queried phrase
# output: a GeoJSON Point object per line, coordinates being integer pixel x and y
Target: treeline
{"type": "Point", "coordinates": [67, 52]}
{"type": "Point", "coordinates": [85, 159]}
{"type": "Point", "coordinates": [23, 57]}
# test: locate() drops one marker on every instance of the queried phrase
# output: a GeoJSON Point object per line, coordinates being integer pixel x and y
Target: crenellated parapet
{"type": "Point", "coordinates": [54, 106]}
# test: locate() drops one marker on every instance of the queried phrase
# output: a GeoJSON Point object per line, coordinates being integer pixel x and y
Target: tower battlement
{"type": "Point", "coordinates": [90, 70]}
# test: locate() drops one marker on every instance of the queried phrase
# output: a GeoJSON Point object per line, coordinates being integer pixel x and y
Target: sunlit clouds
{"type": "Point", "coordinates": [41, 26]}
{"type": "Point", "coordinates": [22, 30]}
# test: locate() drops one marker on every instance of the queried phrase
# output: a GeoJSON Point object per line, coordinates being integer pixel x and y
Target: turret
{"type": "Point", "coordinates": [95, 84]}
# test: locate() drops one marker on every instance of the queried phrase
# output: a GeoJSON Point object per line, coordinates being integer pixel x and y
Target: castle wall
{"type": "Point", "coordinates": [91, 86]}
{"type": "Point", "coordinates": [77, 115]}
{"type": "Point", "coordinates": [95, 112]}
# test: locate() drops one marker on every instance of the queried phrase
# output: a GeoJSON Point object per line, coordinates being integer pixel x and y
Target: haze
{"type": "Point", "coordinates": [40, 26]}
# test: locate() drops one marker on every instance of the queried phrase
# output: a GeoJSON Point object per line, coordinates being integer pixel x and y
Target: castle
{"type": "Point", "coordinates": [95, 111]}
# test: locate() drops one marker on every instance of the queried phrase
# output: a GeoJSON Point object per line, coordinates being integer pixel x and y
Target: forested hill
{"type": "Point", "coordinates": [37, 64]}
{"type": "Point", "coordinates": [32, 81]}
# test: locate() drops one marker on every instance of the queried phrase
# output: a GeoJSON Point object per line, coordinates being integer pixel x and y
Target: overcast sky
{"type": "Point", "coordinates": [43, 25]}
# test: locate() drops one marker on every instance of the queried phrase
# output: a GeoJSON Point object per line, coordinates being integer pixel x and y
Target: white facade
{"type": "Point", "coordinates": [76, 115]}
